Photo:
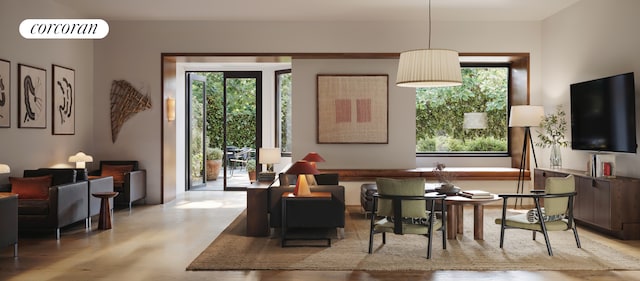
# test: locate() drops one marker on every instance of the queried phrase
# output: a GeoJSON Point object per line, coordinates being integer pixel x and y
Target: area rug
{"type": "Point", "coordinates": [233, 250]}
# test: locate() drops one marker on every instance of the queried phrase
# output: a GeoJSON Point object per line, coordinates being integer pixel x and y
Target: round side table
{"type": "Point", "coordinates": [105, 210]}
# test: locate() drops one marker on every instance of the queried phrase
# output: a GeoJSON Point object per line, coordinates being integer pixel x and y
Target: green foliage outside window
{"type": "Point", "coordinates": [440, 113]}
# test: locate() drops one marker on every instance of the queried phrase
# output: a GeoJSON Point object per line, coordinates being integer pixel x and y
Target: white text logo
{"type": "Point", "coordinates": [64, 28]}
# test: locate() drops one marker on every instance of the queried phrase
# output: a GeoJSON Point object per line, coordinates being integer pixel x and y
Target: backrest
{"type": "Point", "coordinates": [81, 174]}
{"type": "Point", "coordinates": [327, 179]}
{"type": "Point", "coordinates": [558, 185]}
{"type": "Point", "coordinates": [133, 163]}
{"type": "Point", "coordinates": [402, 187]}
{"type": "Point", "coordinates": [59, 176]}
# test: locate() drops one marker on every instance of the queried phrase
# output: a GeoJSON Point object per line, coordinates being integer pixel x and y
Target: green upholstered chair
{"type": "Point", "coordinates": [402, 207]}
{"type": "Point", "coordinates": [557, 214]}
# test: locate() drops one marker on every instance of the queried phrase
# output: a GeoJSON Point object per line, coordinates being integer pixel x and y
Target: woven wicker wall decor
{"type": "Point", "coordinates": [126, 101]}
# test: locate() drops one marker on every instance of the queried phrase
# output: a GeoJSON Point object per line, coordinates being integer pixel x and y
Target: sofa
{"type": "Point", "coordinates": [128, 180]}
{"type": "Point", "coordinates": [9, 221]}
{"type": "Point", "coordinates": [311, 214]}
{"type": "Point", "coordinates": [95, 184]}
{"type": "Point", "coordinates": [50, 199]}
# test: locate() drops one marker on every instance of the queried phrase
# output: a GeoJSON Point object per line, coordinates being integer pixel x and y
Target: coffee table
{"type": "Point", "coordinates": [455, 215]}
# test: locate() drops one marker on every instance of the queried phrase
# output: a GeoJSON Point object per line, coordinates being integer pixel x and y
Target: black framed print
{"type": "Point", "coordinates": [63, 95]}
{"type": "Point", "coordinates": [5, 94]}
{"type": "Point", "coordinates": [32, 97]}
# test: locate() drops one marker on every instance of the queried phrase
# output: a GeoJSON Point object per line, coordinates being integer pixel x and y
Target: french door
{"type": "Point", "coordinates": [229, 115]}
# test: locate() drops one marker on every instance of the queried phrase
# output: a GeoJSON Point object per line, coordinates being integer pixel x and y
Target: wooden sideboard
{"type": "Point", "coordinates": [608, 205]}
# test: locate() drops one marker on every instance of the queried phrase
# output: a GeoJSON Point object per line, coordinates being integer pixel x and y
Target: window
{"type": "Point", "coordinates": [283, 109]}
{"type": "Point", "coordinates": [483, 97]}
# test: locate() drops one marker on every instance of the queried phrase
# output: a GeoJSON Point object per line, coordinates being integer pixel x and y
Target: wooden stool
{"type": "Point", "coordinates": [105, 212]}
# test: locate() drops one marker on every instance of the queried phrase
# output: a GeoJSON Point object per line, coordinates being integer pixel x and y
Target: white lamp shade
{"type": "Point", "coordinates": [269, 155]}
{"type": "Point", "coordinates": [475, 120]}
{"type": "Point", "coordinates": [429, 68]}
{"type": "Point", "coordinates": [4, 169]}
{"type": "Point", "coordinates": [80, 159]}
{"type": "Point", "coordinates": [526, 115]}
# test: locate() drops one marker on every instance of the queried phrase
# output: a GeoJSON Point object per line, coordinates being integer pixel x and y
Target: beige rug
{"type": "Point", "coordinates": [232, 250]}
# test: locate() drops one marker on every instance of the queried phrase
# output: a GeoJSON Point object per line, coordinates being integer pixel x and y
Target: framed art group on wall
{"type": "Point", "coordinates": [32, 97]}
{"type": "Point", "coordinates": [63, 88]}
{"type": "Point", "coordinates": [352, 108]}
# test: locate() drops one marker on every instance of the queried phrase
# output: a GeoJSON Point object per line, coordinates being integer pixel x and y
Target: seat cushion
{"type": "Point", "coordinates": [116, 171]}
{"type": "Point", "coordinates": [33, 207]}
{"type": "Point", "coordinates": [31, 187]}
{"type": "Point", "coordinates": [521, 221]}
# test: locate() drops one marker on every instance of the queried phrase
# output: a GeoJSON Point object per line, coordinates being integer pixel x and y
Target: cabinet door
{"type": "Point", "coordinates": [583, 202]}
{"type": "Point", "coordinates": [602, 203]}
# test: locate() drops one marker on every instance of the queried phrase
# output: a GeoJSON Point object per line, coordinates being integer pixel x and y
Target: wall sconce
{"type": "Point", "coordinates": [4, 169]}
{"type": "Point", "coordinates": [80, 159]}
{"type": "Point", "coordinates": [171, 109]}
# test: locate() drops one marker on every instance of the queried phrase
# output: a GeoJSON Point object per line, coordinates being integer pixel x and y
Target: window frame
{"type": "Point", "coordinates": [277, 107]}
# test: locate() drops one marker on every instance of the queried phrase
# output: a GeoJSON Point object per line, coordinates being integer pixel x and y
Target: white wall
{"type": "Point", "coordinates": [132, 52]}
{"type": "Point", "coordinates": [591, 39]}
{"type": "Point", "coordinates": [35, 148]}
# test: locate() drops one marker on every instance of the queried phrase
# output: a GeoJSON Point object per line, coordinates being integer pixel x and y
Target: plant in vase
{"type": "Point", "coordinates": [251, 170]}
{"type": "Point", "coordinates": [551, 134]}
{"type": "Point", "coordinates": [446, 179]}
{"type": "Point", "coordinates": [214, 162]}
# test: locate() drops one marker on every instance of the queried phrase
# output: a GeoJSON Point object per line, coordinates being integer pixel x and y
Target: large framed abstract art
{"type": "Point", "coordinates": [63, 94]}
{"type": "Point", "coordinates": [5, 94]}
{"type": "Point", "coordinates": [32, 97]}
{"type": "Point", "coordinates": [352, 108]}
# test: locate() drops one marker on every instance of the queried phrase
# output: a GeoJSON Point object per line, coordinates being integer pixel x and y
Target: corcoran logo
{"type": "Point", "coordinates": [64, 28]}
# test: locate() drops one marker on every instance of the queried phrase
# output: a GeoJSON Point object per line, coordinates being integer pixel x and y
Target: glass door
{"type": "Point", "coordinates": [196, 124]}
{"type": "Point", "coordinates": [242, 100]}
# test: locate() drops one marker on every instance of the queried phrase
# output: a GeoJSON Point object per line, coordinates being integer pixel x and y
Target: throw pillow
{"type": "Point", "coordinates": [116, 171]}
{"type": "Point", "coordinates": [32, 187]}
{"type": "Point", "coordinates": [532, 216]}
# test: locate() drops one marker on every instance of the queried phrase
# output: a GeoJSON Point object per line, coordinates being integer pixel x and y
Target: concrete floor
{"type": "Point", "coordinates": [157, 242]}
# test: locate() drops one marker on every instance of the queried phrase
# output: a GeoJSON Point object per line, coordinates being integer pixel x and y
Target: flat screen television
{"type": "Point", "coordinates": [603, 114]}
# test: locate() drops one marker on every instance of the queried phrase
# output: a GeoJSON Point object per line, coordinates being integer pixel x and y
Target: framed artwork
{"type": "Point", "coordinates": [352, 108]}
{"type": "Point", "coordinates": [32, 97]}
{"type": "Point", "coordinates": [5, 94]}
{"type": "Point", "coordinates": [63, 95]}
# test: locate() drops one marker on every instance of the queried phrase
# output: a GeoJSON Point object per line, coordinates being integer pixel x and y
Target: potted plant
{"type": "Point", "coordinates": [553, 126]}
{"type": "Point", "coordinates": [251, 170]}
{"type": "Point", "coordinates": [214, 162]}
{"type": "Point", "coordinates": [446, 179]}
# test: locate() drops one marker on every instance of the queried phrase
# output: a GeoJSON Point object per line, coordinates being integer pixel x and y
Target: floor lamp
{"type": "Point", "coordinates": [525, 116]}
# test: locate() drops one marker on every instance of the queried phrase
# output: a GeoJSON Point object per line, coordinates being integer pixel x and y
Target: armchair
{"type": "Point", "coordinates": [406, 209]}
{"type": "Point", "coordinates": [50, 199]}
{"type": "Point", "coordinates": [9, 221]}
{"type": "Point", "coordinates": [95, 184]}
{"type": "Point", "coordinates": [557, 214]}
{"type": "Point", "coordinates": [128, 180]}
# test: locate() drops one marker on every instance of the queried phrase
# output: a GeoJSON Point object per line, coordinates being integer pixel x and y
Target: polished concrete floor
{"type": "Point", "coordinates": [158, 242]}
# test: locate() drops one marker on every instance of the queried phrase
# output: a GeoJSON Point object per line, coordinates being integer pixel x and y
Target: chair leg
{"type": "Point", "coordinates": [15, 250]}
{"type": "Point", "coordinates": [384, 238]}
{"type": "Point", "coordinates": [57, 233]}
{"type": "Point", "coordinates": [503, 222]}
{"type": "Point", "coordinates": [533, 233]}
{"type": "Point", "coordinates": [575, 234]}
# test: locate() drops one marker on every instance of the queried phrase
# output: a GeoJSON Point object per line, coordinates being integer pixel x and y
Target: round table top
{"type": "Point", "coordinates": [462, 200]}
{"type": "Point", "coordinates": [105, 194]}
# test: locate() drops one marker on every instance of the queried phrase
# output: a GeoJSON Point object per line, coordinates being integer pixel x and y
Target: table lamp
{"type": "Point", "coordinates": [312, 158]}
{"type": "Point", "coordinates": [302, 168]}
{"type": "Point", "coordinates": [475, 120]}
{"type": "Point", "coordinates": [268, 156]}
{"type": "Point", "coordinates": [80, 159]}
{"type": "Point", "coordinates": [4, 169]}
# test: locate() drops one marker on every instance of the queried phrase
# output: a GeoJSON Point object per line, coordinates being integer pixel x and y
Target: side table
{"type": "Point", "coordinates": [105, 210]}
{"type": "Point", "coordinates": [455, 214]}
{"type": "Point", "coordinates": [315, 234]}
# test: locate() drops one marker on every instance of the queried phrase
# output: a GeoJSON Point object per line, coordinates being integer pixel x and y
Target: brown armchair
{"type": "Point", "coordinates": [128, 179]}
{"type": "Point", "coordinates": [50, 199]}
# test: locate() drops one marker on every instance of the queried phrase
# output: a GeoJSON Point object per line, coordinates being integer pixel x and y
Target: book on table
{"type": "Point", "coordinates": [476, 194]}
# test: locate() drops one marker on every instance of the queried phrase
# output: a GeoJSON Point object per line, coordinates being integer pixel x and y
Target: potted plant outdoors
{"type": "Point", "coordinates": [553, 126]}
{"type": "Point", "coordinates": [251, 170]}
{"type": "Point", "coordinates": [214, 162]}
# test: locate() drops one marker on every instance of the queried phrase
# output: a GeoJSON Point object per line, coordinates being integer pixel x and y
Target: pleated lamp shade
{"type": "Point", "coordinates": [429, 68]}
{"type": "Point", "coordinates": [312, 158]}
{"type": "Point", "coordinates": [526, 115]}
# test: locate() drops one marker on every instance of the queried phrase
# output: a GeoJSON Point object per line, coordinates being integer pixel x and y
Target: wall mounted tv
{"type": "Point", "coordinates": [603, 114]}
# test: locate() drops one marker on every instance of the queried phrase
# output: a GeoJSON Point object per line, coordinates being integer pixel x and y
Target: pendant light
{"type": "Point", "coordinates": [429, 67]}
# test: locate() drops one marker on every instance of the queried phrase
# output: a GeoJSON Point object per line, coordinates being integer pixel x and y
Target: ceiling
{"type": "Point", "coordinates": [323, 10]}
